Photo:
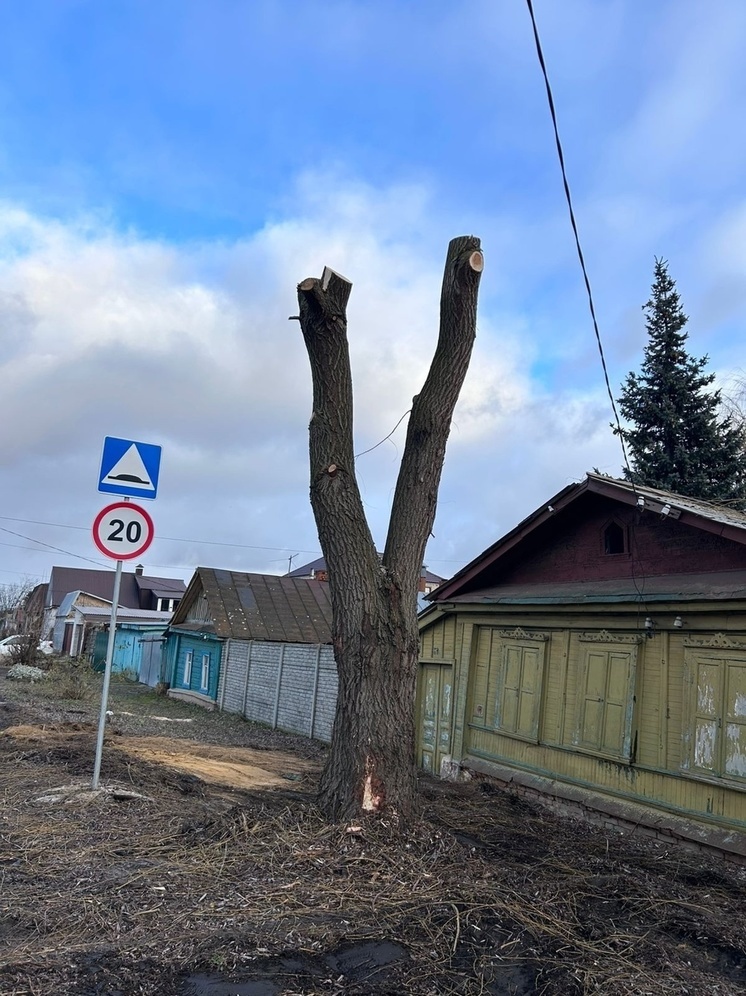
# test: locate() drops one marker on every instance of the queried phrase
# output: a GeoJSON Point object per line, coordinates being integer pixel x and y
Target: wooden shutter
{"type": "Point", "coordinates": [606, 700]}
{"type": "Point", "coordinates": [519, 691]}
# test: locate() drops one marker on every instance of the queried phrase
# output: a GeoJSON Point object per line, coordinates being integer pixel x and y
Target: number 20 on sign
{"type": "Point", "coordinates": [123, 530]}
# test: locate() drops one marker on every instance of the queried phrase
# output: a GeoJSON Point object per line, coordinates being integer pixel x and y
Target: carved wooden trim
{"type": "Point", "coordinates": [522, 634]}
{"type": "Point", "coordinates": [604, 636]}
{"type": "Point", "coordinates": [717, 641]}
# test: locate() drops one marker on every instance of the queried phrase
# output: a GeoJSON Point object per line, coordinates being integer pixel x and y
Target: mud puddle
{"type": "Point", "coordinates": [373, 963]}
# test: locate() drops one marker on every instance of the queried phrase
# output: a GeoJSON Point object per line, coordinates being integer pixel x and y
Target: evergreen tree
{"type": "Point", "coordinates": [676, 439]}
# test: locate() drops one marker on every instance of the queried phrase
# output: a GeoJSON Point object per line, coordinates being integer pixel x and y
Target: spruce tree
{"type": "Point", "coordinates": [676, 438]}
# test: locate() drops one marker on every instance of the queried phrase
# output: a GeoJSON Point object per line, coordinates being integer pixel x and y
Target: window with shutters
{"type": "Point", "coordinates": [205, 676]}
{"type": "Point", "coordinates": [507, 680]}
{"type": "Point", "coordinates": [717, 726]}
{"type": "Point", "coordinates": [188, 661]}
{"type": "Point", "coordinates": [519, 690]}
{"type": "Point", "coordinates": [606, 701]}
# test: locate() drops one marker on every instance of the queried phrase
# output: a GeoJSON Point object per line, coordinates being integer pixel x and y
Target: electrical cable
{"type": "Point", "coordinates": [172, 539]}
{"type": "Point", "coordinates": [586, 278]}
{"type": "Point", "coordinates": [58, 549]}
{"type": "Point", "coordinates": [581, 258]}
{"type": "Point", "coordinates": [370, 449]}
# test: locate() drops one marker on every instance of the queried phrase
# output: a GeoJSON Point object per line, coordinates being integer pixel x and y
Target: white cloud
{"type": "Point", "coordinates": [106, 333]}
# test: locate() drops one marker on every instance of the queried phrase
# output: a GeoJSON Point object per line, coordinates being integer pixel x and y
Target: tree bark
{"type": "Point", "coordinates": [371, 764]}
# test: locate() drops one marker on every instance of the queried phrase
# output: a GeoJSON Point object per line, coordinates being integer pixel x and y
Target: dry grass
{"type": "Point", "coordinates": [484, 895]}
{"type": "Point", "coordinates": [71, 678]}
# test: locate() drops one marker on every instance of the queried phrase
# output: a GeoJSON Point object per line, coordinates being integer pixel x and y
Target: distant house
{"type": "Point", "coordinates": [138, 591]}
{"type": "Point", "coordinates": [73, 621]}
{"type": "Point", "coordinates": [256, 644]}
{"type": "Point", "coordinates": [82, 628]}
{"type": "Point", "coordinates": [317, 570]}
{"type": "Point", "coordinates": [595, 656]}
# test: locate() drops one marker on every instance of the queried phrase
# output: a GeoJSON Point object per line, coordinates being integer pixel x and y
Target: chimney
{"type": "Point", "coordinates": [138, 570]}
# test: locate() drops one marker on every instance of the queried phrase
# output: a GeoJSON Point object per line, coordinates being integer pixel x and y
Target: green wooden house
{"type": "Point", "coordinates": [595, 656]}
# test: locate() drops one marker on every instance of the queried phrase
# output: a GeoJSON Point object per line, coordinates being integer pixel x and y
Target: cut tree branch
{"type": "Point", "coordinates": [415, 498]}
{"type": "Point", "coordinates": [343, 529]}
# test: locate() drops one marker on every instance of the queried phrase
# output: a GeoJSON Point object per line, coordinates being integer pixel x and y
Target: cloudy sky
{"type": "Point", "coordinates": [170, 171]}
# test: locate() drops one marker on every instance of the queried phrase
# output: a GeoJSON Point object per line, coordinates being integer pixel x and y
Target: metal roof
{"type": "Point", "coordinates": [306, 570]}
{"type": "Point", "coordinates": [67, 602]}
{"type": "Point", "coordinates": [259, 607]}
{"type": "Point", "coordinates": [145, 615]}
{"type": "Point", "coordinates": [706, 509]}
{"type": "Point", "coordinates": [96, 612]}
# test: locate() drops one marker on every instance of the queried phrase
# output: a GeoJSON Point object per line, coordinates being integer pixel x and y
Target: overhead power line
{"type": "Point", "coordinates": [171, 539]}
{"type": "Point", "coordinates": [581, 258]}
{"type": "Point", "coordinates": [49, 546]}
{"type": "Point", "coordinates": [586, 278]}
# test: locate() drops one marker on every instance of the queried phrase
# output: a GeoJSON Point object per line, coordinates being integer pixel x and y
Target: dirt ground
{"type": "Point", "coordinates": [203, 867]}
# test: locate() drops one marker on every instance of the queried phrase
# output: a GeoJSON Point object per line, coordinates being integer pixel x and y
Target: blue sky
{"type": "Point", "coordinates": [169, 172]}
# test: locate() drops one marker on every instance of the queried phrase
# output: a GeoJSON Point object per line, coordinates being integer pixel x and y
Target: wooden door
{"type": "Point", "coordinates": [436, 700]}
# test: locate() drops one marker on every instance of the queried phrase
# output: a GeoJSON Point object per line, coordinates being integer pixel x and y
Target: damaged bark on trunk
{"type": "Point", "coordinates": [371, 763]}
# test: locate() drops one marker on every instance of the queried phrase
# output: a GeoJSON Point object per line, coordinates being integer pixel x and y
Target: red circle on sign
{"type": "Point", "coordinates": [123, 530]}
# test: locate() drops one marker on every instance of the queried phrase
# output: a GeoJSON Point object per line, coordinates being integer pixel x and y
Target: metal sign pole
{"type": "Point", "coordinates": [122, 532]}
{"type": "Point", "coordinates": [107, 675]}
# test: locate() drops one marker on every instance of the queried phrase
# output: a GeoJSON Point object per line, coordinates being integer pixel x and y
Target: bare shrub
{"type": "Point", "coordinates": [73, 678]}
{"type": "Point", "coordinates": [25, 650]}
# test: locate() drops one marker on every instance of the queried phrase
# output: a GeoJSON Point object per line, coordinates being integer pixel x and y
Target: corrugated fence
{"type": "Point", "coordinates": [288, 686]}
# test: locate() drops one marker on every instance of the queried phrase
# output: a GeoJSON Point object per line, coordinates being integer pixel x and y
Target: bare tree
{"type": "Point", "coordinates": [13, 597]}
{"type": "Point", "coordinates": [371, 764]}
{"type": "Point", "coordinates": [18, 617]}
{"type": "Point", "coordinates": [733, 401]}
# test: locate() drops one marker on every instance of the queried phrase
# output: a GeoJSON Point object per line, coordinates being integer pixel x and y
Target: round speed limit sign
{"type": "Point", "coordinates": [123, 530]}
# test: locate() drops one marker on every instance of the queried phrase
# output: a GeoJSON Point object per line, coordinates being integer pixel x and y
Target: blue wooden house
{"type": "Point", "coordinates": [192, 664]}
{"type": "Point", "coordinates": [257, 644]}
{"type": "Point", "coordinates": [137, 650]}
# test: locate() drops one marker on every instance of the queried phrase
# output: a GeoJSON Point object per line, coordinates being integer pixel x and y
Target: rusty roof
{"type": "Point", "coordinates": [711, 511]}
{"type": "Point", "coordinates": [259, 607]}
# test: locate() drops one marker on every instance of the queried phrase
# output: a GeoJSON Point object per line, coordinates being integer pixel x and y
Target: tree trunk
{"type": "Point", "coordinates": [371, 764]}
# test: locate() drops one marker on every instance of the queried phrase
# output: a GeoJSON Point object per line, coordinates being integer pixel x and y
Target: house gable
{"type": "Point", "coordinates": [574, 546]}
{"type": "Point", "coordinates": [193, 607]}
{"type": "Point", "coordinates": [601, 531]}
